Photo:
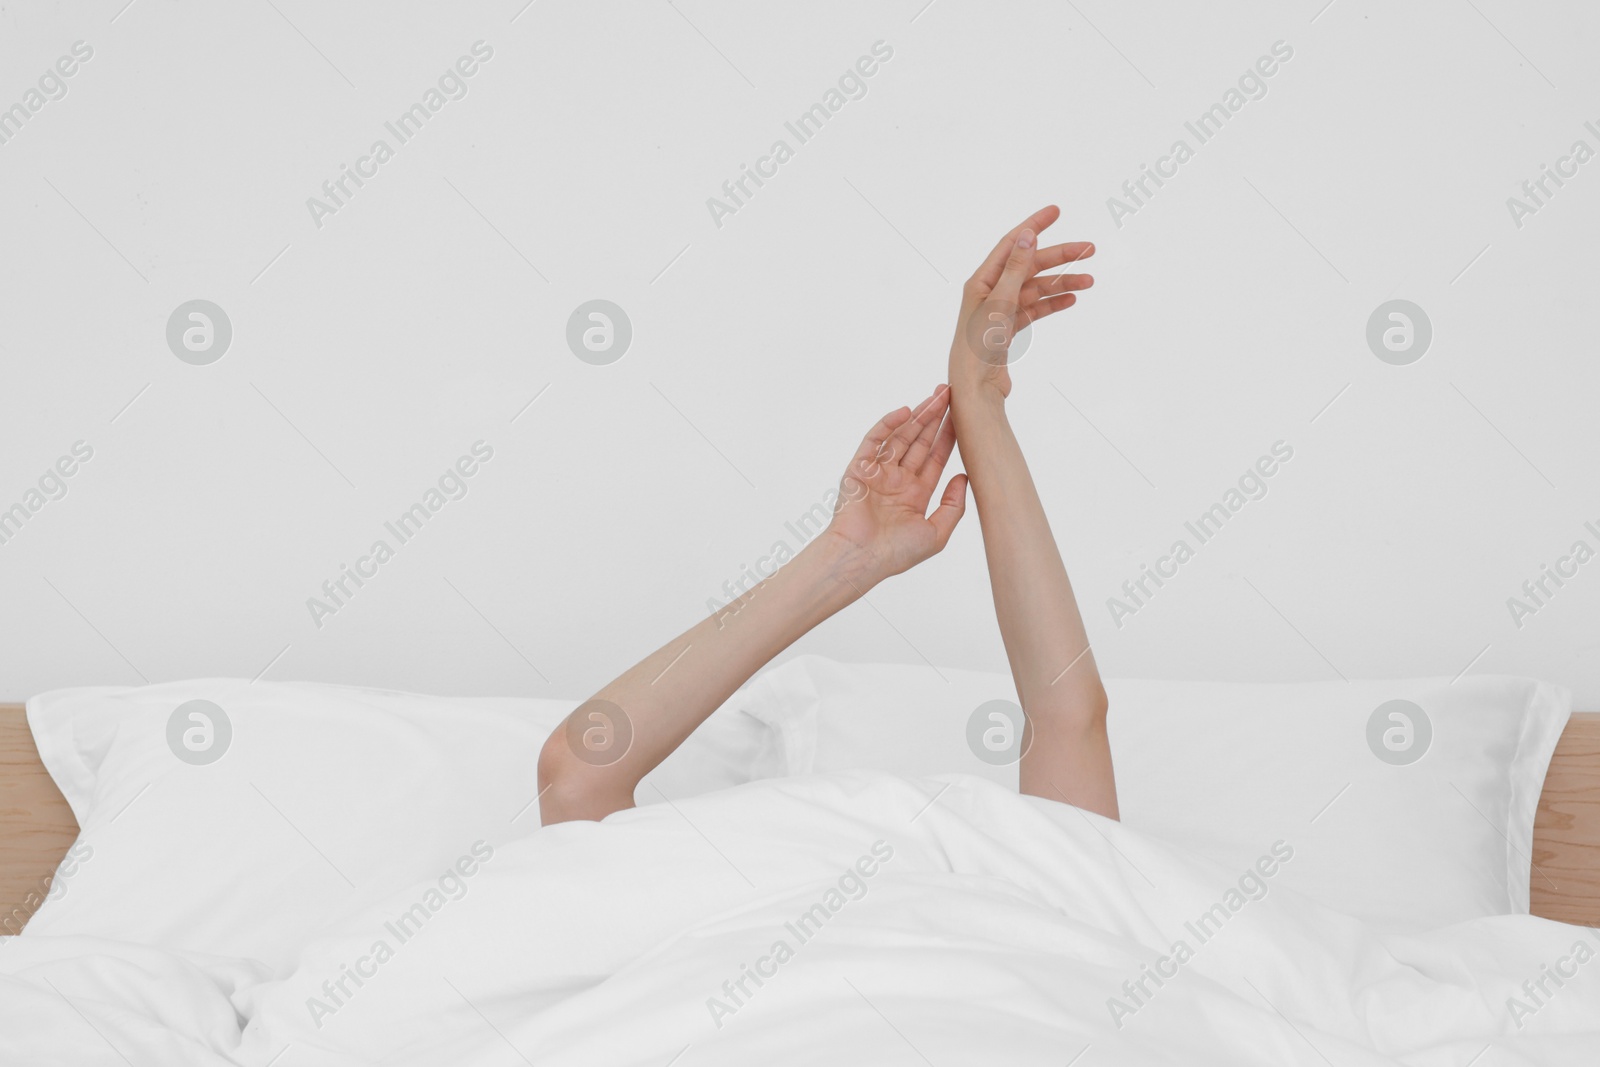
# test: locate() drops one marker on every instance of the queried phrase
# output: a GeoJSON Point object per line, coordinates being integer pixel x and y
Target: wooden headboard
{"type": "Point", "coordinates": [37, 827]}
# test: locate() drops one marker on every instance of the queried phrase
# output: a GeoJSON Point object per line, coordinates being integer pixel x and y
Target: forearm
{"type": "Point", "coordinates": [664, 697]}
{"type": "Point", "coordinates": [1067, 755]}
{"type": "Point", "coordinates": [1039, 620]}
{"type": "Point", "coordinates": [1057, 680]}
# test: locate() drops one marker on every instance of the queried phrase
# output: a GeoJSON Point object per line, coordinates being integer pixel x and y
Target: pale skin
{"type": "Point", "coordinates": [882, 528]}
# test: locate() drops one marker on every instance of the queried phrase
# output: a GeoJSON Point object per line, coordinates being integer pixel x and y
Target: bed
{"type": "Point", "coordinates": [1025, 915]}
{"type": "Point", "coordinates": [37, 827]}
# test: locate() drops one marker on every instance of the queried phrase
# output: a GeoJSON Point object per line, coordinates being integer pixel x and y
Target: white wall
{"type": "Point", "coordinates": [1229, 311]}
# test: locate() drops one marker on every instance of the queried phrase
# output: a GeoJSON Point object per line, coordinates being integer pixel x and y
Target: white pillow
{"type": "Point", "coordinates": [910, 721]}
{"type": "Point", "coordinates": [323, 800]}
{"type": "Point", "coordinates": [1226, 769]}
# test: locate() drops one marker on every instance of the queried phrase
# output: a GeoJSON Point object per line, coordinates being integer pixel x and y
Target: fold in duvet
{"type": "Point", "coordinates": [853, 918]}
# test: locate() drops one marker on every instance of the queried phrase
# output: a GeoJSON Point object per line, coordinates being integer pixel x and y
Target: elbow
{"type": "Point", "coordinates": [570, 788]}
{"type": "Point", "coordinates": [560, 780]}
{"type": "Point", "coordinates": [553, 766]}
{"type": "Point", "coordinates": [1091, 713]}
{"type": "Point", "coordinates": [1096, 703]}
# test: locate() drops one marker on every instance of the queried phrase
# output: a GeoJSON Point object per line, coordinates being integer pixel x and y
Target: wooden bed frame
{"type": "Point", "coordinates": [37, 827]}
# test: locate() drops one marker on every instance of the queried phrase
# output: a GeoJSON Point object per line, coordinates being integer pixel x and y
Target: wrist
{"type": "Point", "coordinates": [839, 560]}
{"type": "Point", "coordinates": [807, 588]}
{"type": "Point", "coordinates": [977, 402]}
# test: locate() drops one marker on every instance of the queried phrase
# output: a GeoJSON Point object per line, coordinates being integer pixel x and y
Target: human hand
{"type": "Point", "coordinates": [882, 519]}
{"type": "Point", "coordinates": [1003, 296]}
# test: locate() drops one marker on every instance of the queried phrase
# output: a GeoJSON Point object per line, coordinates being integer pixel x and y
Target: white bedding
{"type": "Point", "coordinates": [953, 922]}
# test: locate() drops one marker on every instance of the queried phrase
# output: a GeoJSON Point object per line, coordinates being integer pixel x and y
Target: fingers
{"type": "Point", "coordinates": [943, 447]}
{"type": "Point", "coordinates": [988, 273]}
{"type": "Point", "coordinates": [1042, 285]}
{"type": "Point", "coordinates": [900, 441]}
{"type": "Point", "coordinates": [1037, 310]}
{"type": "Point", "coordinates": [865, 462]}
{"type": "Point", "coordinates": [951, 507]}
{"type": "Point", "coordinates": [1019, 268]}
{"type": "Point", "coordinates": [1061, 255]}
{"type": "Point", "coordinates": [908, 437]}
{"type": "Point", "coordinates": [931, 418]}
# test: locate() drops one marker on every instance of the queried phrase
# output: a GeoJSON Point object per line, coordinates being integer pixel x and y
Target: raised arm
{"type": "Point", "coordinates": [590, 766]}
{"type": "Point", "coordinates": [1068, 757]}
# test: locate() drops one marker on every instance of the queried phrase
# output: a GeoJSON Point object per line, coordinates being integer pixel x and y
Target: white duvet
{"type": "Point", "coordinates": [853, 918]}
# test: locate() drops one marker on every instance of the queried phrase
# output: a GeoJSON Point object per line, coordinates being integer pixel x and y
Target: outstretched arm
{"type": "Point", "coordinates": [1068, 757]}
{"type": "Point", "coordinates": [590, 766]}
